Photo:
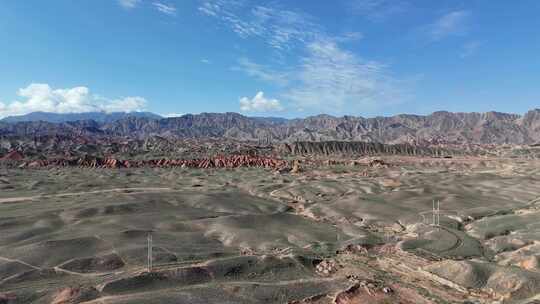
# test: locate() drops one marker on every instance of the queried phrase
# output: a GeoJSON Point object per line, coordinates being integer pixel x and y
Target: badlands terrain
{"type": "Point", "coordinates": [238, 217]}
{"type": "Point", "coordinates": [318, 229]}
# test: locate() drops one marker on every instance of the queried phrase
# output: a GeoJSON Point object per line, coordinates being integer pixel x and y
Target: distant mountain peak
{"type": "Point", "coordinates": [441, 127]}
{"type": "Point", "coordinates": [101, 117]}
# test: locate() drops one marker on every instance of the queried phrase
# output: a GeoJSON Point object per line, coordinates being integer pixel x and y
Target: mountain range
{"type": "Point", "coordinates": [437, 128]}
{"type": "Point", "coordinates": [102, 117]}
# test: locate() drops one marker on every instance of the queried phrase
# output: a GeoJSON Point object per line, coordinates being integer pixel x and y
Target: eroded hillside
{"type": "Point", "coordinates": [344, 230]}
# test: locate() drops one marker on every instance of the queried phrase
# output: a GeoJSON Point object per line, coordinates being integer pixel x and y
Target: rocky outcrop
{"type": "Point", "coordinates": [65, 146]}
{"type": "Point", "coordinates": [358, 149]}
{"type": "Point", "coordinates": [439, 128]}
{"type": "Point", "coordinates": [71, 295]}
{"type": "Point", "coordinates": [531, 123]}
{"type": "Point", "coordinates": [12, 156]}
{"type": "Point", "coordinates": [8, 298]}
{"type": "Point", "coordinates": [234, 161]}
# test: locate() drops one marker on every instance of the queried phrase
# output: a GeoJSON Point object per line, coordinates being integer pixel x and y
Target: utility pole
{"type": "Point", "coordinates": [149, 261]}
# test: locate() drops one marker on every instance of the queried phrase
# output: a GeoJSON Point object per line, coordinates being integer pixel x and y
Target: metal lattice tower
{"type": "Point", "coordinates": [150, 257]}
{"type": "Point", "coordinates": [436, 214]}
{"type": "Point", "coordinates": [433, 213]}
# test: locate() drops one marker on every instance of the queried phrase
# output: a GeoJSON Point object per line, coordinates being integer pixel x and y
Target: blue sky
{"type": "Point", "coordinates": [269, 58]}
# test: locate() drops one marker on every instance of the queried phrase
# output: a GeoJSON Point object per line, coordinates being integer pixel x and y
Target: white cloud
{"type": "Point", "coordinates": [167, 9]}
{"type": "Point", "coordinates": [280, 29]}
{"type": "Point", "coordinates": [469, 49]}
{"type": "Point", "coordinates": [41, 97]}
{"type": "Point", "coordinates": [324, 77]}
{"type": "Point", "coordinates": [332, 79]}
{"type": "Point", "coordinates": [169, 115]}
{"type": "Point", "coordinates": [206, 61]}
{"type": "Point", "coordinates": [262, 72]}
{"type": "Point", "coordinates": [126, 104]}
{"type": "Point", "coordinates": [259, 103]}
{"type": "Point", "coordinates": [377, 10]}
{"type": "Point", "coordinates": [450, 24]}
{"type": "Point", "coordinates": [210, 8]}
{"type": "Point", "coordinates": [129, 3]}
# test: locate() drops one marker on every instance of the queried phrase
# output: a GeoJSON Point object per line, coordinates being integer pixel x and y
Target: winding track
{"type": "Point", "coordinates": [125, 190]}
{"type": "Point", "coordinates": [114, 298]}
{"type": "Point", "coordinates": [19, 261]}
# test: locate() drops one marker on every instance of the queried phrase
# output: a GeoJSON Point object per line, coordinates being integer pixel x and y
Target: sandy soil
{"type": "Point", "coordinates": [328, 234]}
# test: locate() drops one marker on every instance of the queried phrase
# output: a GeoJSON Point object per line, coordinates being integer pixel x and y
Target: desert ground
{"type": "Point", "coordinates": [358, 231]}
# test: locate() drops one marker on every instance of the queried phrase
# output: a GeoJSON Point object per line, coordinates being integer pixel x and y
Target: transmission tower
{"type": "Point", "coordinates": [149, 261]}
{"type": "Point", "coordinates": [433, 220]}
{"type": "Point", "coordinates": [436, 214]}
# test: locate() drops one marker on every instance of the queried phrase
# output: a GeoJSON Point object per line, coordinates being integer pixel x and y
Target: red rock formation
{"type": "Point", "coordinates": [13, 155]}
{"type": "Point", "coordinates": [6, 298]}
{"type": "Point", "coordinates": [378, 163]}
{"type": "Point", "coordinates": [72, 295]}
{"type": "Point", "coordinates": [233, 161]}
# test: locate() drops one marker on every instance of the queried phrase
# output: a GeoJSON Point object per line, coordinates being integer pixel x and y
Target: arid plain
{"type": "Point", "coordinates": [340, 231]}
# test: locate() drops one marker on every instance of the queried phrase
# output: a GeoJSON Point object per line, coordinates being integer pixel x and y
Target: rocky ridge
{"type": "Point", "coordinates": [439, 128]}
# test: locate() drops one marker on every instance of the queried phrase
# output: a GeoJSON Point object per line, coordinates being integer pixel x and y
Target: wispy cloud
{"type": "Point", "coordinates": [325, 77]}
{"type": "Point", "coordinates": [469, 49]}
{"type": "Point", "coordinates": [262, 72]}
{"type": "Point", "coordinates": [205, 61]}
{"type": "Point", "coordinates": [41, 97]}
{"type": "Point", "coordinates": [332, 79]}
{"type": "Point", "coordinates": [451, 24]}
{"type": "Point", "coordinates": [329, 78]}
{"type": "Point", "coordinates": [129, 3]}
{"type": "Point", "coordinates": [349, 36]}
{"type": "Point", "coordinates": [377, 10]}
{"type": "Point", "coordinates": [171, 115]}
{"type": "Point", "coordinates": [281, 29]}
{"type": "Point", "coordinates": [259, 103]}
{"type": "Point", "coordinates": [167, 9]}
